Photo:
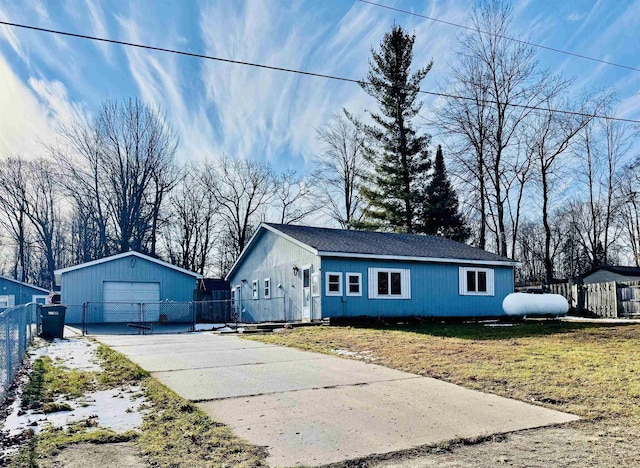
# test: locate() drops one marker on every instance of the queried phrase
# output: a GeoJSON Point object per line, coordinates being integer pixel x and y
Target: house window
{"type": "Point", "coordinates": [266, 288]}
{"type": "Point", "coordinates": [315, 284]}
{"type": "Point", "coordinates": [476, 281]}
{"type": "Point", "coordinates": [4, 302]}
{"type": "Point", "coordinates": [39, 299]}
{"type": "Point", "coordinates": [254, 289]}
{"type": "Point", "coordinates": [334, 284]}
{"type": "Point", "coordinates": [389, 283]}
{"type": "Point", "coordinates": [354, 284]}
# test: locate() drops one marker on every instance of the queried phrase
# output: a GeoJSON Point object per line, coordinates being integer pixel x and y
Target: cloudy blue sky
{"type": "Point", "coordinates": [260, 114]}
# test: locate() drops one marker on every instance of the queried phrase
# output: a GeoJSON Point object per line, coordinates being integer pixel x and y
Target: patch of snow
{"type": "Point", "coordinates": [618, 321]}
{"type": "Point", "coordinates": [215, 327]}
{"type": "Point", "coordinates": [499, 324]}
{"type": "Point", "coordinates": [210, 326]}
{"type": "Point", "coordinates": [521, 304]}
{"type": "Point", "coordinates": [72, 353]}
{"type": "Point", "coordinates": [366, 355]}
{"type": "Point", "coordinates": [120, 409]}
{"type": "Point", "coordinates": [117, 409]}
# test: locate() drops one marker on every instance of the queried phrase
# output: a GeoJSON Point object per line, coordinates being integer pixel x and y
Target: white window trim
{"type": "Point", "coordinates": [405, 283]}
{"type": "Point", "coordinates": [316, 293]}
{"type": "Point", "coordinates": [266, 288]}
{"type": "Point", "coordinates": [255, 290]}
{"type": "Point", "coordinates": [346, 284]}
{"type": "Point", "coordinates": [462, 281]}
{"type": "Point", "coordinates": [333, 293]}
{"type": "Point", "coordinates": [35, 297]}
{"type": "Point", "coordinates": [4, 301]}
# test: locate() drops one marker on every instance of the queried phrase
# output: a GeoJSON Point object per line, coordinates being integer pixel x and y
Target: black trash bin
{"type": "Point", "coordinates": [52, 320]}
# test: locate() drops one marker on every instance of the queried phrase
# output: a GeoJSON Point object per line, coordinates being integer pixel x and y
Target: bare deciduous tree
{"type": "Point", "coordinates": [628, 202]}
{"type": "Point", "coordinates": [138, 147]}
{"type": "Point", "coordinates": [243, 190]}
{"type": "Point", "coordinates": [191, 232]}
{"type": "Point", "coordinates": [499, 83]}
{"type": "Point", "coordinates": [550, 134]}
{"type": "Point", "coordinates": [118, 168]}
{"type": "Point", "coordinates": [339, 171]}
{"type": "Point", "coordinates": [13, 205]}
{"type": "Point", "coordinates": [292, 199]}
{"type": "Point", "coordinates": [43, 210]}
{"type": "Point", "coordinates": [601, 149]}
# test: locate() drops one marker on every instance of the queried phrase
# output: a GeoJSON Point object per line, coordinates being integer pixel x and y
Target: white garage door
{"type": "Point", "coordinates": [122, 298]}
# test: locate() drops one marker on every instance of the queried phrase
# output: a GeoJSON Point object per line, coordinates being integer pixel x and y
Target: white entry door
{"type": "Point", "coordinates": [306, 294]}
{"type": "Point", "coordinates": [236, 303]}
{"type": "Point", "coordinates": [121, 300]}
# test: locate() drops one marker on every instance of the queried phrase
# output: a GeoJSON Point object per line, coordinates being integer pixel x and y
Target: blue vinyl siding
{"type": "Point", "coordinates": [86, 284]}
{"type": "Point", "coordinates": [24, 296]}
{"type": "Point", "coordinates": [434, 291]}
{"type": "Point", "coordinates": [272, 256]}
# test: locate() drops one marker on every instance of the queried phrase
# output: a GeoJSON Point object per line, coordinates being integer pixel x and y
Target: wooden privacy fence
{"type": "Point", "coordinates": [607, 300]}
{"type": "Point", "coordinates": [629, 299]}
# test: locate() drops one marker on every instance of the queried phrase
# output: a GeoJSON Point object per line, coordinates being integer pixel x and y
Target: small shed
{"type": "Point", "coordinates": [14, 292]}
{"type": "Point", "coordinates": [213, 289]}
{"type": "Point", "coordinates": [213, 304]}
{"type": "Point", "coordinates": [609, 273]}
{"type": "Point", "coordinates": [126, 278]}
{"type": "Point", "coordinates": [303, 273]}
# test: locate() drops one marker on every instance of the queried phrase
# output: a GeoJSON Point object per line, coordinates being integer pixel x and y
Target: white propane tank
{"type": "Point", "coordinates": [521, 304]}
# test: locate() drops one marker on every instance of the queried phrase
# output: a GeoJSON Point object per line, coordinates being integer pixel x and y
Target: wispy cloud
{"type": "Point", "coordinates": [54, 98]}
{"type": "Point", "coordinates": [255, 113]}
{"type": "Point", "coordinates": [26, 121]}
{"type": "Point", "coordinates": [97, 18]}
{"type": "Point", "coordinates": [8, 34]}
{"type": "Point", "coordinates": [162, 83]}
{"type": "Point", "coordinates": [574, 16]}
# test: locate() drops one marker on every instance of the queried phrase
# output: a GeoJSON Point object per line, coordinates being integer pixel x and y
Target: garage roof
{"type": "Point", "coordinates": [58, 273]}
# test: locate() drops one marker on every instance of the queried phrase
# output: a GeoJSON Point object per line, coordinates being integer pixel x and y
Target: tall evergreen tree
{"type": "Point", "coordinates": [399, 156]}
{"type": "Point", "coordinates": [440, 215]}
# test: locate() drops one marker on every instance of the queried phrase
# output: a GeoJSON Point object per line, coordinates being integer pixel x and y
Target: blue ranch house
{"type": "Point", "coordinates": [302, 273]}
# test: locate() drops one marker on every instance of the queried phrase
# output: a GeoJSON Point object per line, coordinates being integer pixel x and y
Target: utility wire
{"type": "Point", "coordinates": [501, 36]}
{"type": "Point", "coordinates": [302, 72]}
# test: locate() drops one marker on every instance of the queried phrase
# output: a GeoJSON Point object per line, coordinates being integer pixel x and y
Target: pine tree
{"type": "Point", "coordinates": [399, 155]}
{"type": "Point", "coordinates": [440, 211]}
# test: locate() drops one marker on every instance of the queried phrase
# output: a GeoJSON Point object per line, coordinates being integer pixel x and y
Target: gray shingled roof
{"type": "Point", "coordinates": [384, 243]}
{"type": "Point", "coordinates": [621, 270]}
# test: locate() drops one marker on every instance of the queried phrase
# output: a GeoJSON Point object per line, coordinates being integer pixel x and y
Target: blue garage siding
{"type": "Point", "coordinates": [272, 256]}
{"type": "Point", "coordinates": [86, 284]}
{"type": "Point", "coordinates": [434, 291]}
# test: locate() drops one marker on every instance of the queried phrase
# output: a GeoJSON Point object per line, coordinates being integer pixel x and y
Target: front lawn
{"type": "Point", "coordinates": [592, 370]}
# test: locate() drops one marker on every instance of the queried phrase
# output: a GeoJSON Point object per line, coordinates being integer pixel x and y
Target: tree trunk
{"type": "Point", "coordinates": [548, 263]}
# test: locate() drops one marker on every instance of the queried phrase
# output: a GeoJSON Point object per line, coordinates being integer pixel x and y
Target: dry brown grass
{"type": "Point", "coordinates": [591, 370]}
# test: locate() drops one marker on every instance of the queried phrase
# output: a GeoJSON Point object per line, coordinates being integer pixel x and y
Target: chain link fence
{"type": "Point", "coordinates": [262, 310]}
{"type": "Point", "coordinates": [18, 326]}
{"type": "Point", "coordinates": [134, 318]}
{"type": "Point", "coordinates": [219, 311]}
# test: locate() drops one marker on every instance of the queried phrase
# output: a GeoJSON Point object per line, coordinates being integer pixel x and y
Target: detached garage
{"type": "Point", "coordinates": [116, 286]}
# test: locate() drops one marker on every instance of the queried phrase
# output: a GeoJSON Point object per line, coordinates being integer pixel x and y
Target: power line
{"type": "Point", "coordinates": [501, 36]}
{"type": "Point", "coordinates": [300, 72]}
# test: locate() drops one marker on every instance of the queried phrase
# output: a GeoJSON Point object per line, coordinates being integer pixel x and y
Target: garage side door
{"type": "Point", "coordinates": [122, 298]}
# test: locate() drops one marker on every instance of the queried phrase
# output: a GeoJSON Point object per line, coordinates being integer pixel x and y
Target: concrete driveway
{"type": "Point", "coordinates": [314, 409]}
